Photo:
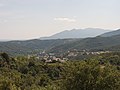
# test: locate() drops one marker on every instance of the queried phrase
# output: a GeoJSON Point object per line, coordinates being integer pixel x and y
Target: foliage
{"type": "Point", "coordinates": [97, 73]}
{"type": "Point", "coordinates": [90, 75]}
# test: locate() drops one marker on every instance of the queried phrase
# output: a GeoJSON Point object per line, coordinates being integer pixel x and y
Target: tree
{"type": "Point", "coordinates": [5, 57]}
{"type": "Point", "coordinates": [90, 75]}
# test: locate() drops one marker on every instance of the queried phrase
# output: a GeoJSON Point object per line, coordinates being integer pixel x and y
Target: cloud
{"type": "Point", "coordinates": [65, 19]}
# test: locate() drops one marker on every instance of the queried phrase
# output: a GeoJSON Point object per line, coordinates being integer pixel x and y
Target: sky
{"type": "Point", "coordinates": [28, 19]}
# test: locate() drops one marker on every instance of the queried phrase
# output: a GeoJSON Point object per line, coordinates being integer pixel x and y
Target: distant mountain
{"type": "Point", "coordinates": [63, 45]}
{"type": "Point", "coordinates": [77, 33]}
{"type": "Point", "coordinates": [112, 33]}
{"type": "Point", "coordinates": [60, 45]}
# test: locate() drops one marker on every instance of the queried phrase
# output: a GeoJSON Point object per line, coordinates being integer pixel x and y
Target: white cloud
{"type": "Point", "coordinates": [65, 19]}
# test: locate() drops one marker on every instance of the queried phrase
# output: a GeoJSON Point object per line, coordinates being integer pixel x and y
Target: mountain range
{"type": "Point", "coordinates": [106, 41]}
{"type": "Point", "coordinates": [77, 33]}
{"type": "Point", "coordinates": [109, 34]}
{"type": "Point", "coordinates": [30, 46]}
{"type": "Point", "coordinates": [91, 44]}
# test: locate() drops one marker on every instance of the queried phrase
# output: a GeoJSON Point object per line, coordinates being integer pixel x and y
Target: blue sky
{"type": "Point", "coordinates": [26, 19]}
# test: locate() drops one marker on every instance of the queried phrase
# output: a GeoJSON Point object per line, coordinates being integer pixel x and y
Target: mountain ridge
{"type": "Point", "coordinates": [112, 33]}
{"type": "Point", "coordinates": [95, 43]}
{"type": "Point", "coordinates": [77, 33]}
{"type": "Point", "coordinates": [61, 45]}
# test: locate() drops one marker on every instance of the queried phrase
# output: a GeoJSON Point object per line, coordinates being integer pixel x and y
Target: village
{"type": "Point", "coordinates": [61, 58]}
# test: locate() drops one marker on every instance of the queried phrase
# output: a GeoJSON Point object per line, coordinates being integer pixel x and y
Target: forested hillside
{"type": "Point", "coordinates": [61, 45]}
{"type": "Point", "coordinates": [30, 46]}
{"type": "Point", "coordinates": [91, 44]}
{"type": "Point", "coordinates": [101, 72]}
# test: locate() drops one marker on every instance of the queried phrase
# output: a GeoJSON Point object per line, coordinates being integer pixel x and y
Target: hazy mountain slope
{"type": "Point", "coordinates": [77, 33]}
{"type": "Point", "coordinates": [95, 43]}
{"type": "Point", "coordinates": [60, 45]}
{"type": "Point", "coordinates": [30, 46]}
{"type": "Point", "coordinates": [112, 33]}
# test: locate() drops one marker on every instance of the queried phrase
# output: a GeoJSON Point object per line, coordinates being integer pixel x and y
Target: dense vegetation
{"type": "Point", "coordinates": [97, 43]}
{"type": "Point", "coordinates": [97, 73]}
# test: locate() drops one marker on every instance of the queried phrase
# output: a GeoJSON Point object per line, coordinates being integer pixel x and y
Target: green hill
{"type": "Point", "coordinates": [96, 43]}
{"type": "Point", "coordinates": [60, 45]}
{"type": "Point", "coordinates": [30, 46]}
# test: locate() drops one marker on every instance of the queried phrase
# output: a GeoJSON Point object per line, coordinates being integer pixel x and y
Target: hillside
{"type": "Point", "coordinates": [96, 43]}
{"type": "Point", "coordinates": [77, 33]}
{"type": "Point", "coordinates": [30, 46]}
{"type": "Point", "coordinates": [21, 73]}
{"type": "Point", "coordinates": [112, 33]}
{"type": "Point", "coordinates": [60, 45]}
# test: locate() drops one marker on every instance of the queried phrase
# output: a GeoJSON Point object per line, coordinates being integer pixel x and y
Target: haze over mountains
{"type": "Point", "coordinates": [74, 33]}
{"type": "Point", "coordinates": [107, 41]}
{"type": "Point", "coordinates": [77, 33]}
{"type": "Point", "coordinates": [112, 33]}
{"type": "Point", "coordinates": [91, 44]}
